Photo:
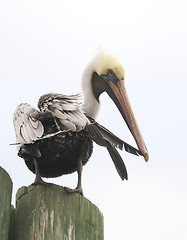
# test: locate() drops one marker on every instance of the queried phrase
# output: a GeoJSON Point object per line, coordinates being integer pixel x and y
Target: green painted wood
{"type": "Point", "coordinates": [5, 204]}
{"type": "Point", "coordinates": [51, 213]}
{"type": "Point", "coordinates": [11, 228]}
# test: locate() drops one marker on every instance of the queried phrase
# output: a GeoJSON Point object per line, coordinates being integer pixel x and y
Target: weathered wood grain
{"type": "Point", "coordinates": [51, 213]}
{"type": "Point", "coordinates": [5, 204]}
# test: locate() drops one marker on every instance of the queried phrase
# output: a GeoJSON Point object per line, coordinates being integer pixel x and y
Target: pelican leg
{"type": "Point", "coordinates": [78, 189]}
{"type": "Point", "coordinates": [38, 179]}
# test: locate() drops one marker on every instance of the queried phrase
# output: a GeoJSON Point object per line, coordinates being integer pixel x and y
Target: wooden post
{"type": "Point", "coordinates": [51, 213]}
{"type": "Point", "coordinates": [5, 204]}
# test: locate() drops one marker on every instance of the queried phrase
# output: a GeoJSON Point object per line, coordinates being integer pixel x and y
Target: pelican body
{"type": "Point", "coordinates": [58, 138]}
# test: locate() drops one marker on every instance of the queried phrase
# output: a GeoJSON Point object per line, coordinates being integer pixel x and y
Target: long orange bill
{"type": "Point", "coordinates": [119, 96]}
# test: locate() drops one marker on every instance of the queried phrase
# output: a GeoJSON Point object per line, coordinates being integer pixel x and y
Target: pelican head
{"type": "Point", "coordinates": [106, 74]}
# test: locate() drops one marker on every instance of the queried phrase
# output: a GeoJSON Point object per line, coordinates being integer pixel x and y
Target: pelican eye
{"type": "Point", "coordinates": [110, 76]}
{"type": "Point", "coordinates": [110, 73]}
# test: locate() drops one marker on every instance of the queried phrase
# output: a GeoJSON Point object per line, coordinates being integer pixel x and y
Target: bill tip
{"type": "Point", "coordinates": [146, 157]}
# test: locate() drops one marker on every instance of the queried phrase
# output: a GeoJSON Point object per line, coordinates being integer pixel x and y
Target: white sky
{"type": "Point", "coordinates": [44, 47]}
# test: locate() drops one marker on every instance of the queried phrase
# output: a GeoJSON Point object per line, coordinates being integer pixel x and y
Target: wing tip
{"type": "Point", "coordinates": [123, 173]}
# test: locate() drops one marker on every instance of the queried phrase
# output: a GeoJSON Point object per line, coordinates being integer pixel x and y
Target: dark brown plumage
{"type": "Point", "coordinates": [59, 154]}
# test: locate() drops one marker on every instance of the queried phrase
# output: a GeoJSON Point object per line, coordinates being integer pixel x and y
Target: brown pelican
{"type": "Point", "coordinates": [58, 139]}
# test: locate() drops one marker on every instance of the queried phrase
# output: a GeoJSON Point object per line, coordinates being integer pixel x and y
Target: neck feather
{"type": "Point", "coordinates": [90, 106]}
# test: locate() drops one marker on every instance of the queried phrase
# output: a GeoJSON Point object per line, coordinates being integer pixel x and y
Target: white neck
{"type": "Point", "coordinates": [90, 106]}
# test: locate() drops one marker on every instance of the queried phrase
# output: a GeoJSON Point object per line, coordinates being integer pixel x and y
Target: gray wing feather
{"type": "Point", "coordinates": [64, 105]}
{"type": "Point", "coordinates": [59, 114]}
{"type": "Point", "coordinates": [39, 131]}
{"type": "Point", "coordinates": [66, 110]}
{"type": "Point", "coordinates": [24, 133]}
{"type": "Point", "coordinates": [67, 125]}
{"type": "Point", "coordinates": [82, 117]}
{"type": "Point", "coordinates": [68, 106]}
{"type": "Point", "coordinates": [27, 128]}
{"type": "Point", "coordinates": [34, 122]}
{"type": "Point", "coordinates": [76, 120]}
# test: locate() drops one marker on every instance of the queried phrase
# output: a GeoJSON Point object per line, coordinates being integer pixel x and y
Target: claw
{"type": "Point", "coordinates": [76, 190]}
